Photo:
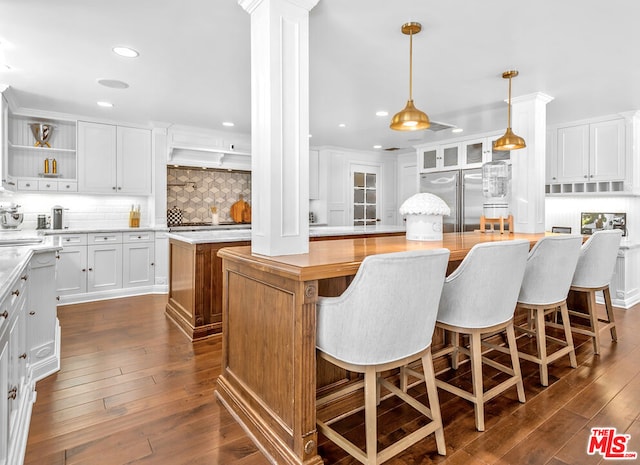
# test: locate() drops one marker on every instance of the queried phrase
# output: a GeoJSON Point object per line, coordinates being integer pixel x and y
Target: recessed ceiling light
{"type": "Point", "coordinates": [113, 83]}
{"type": "Point", "coordinates": [457, 130]}
{"type": "Point", "coordinates": [382, 113]}
{"type": "Point", "coordinates": [342, 125]}
{"type": "Point", "coordinates": [228, 124]}
{"type": "Point", "coordinates": [105, 104]}
{"type": "Point", "coordinates": [125, 52]}
{"type": "Point", "coordinates": [377, 146]}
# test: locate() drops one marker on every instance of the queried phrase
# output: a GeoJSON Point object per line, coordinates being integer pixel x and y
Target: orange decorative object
{"type": "Point", "coordinates": [241, 211]}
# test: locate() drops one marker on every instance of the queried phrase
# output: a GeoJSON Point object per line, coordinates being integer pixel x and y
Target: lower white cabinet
{"type": "Point", "coordinates": [105, 264]}
{"type": "Point", "coordinates": [29, 349]}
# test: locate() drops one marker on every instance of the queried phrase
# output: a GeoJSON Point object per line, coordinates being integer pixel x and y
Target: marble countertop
{"type": "Point", "coordinates": [202, 237]}
{"type": "Point", "coordinates": [13, 258]}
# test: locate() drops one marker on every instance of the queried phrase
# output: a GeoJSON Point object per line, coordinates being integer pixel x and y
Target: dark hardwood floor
{"type": "Point", "coordinates": [133, 389]}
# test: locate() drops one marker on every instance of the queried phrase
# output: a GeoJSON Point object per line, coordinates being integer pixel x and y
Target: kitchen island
{"type": "Point", "coordinates": [269, 372]}
{"type": "Point", "coordinates": [195, 271]}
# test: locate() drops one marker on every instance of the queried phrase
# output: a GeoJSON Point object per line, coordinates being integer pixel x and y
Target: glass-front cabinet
{"type": "Point", "coordinates": [469, 153]}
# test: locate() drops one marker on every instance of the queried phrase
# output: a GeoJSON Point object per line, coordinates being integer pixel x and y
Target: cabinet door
{"type": "Point", "coordinates": [7, 183]}
{"type": "Point", "coordinates": [71, 270]}
{"type": "Point", "coordinates": [449, 156]}
{"type": "Point", "coordinates": [17, 370]}
{"type": "Point", "coordinates": [573, 153]}
{"type": "Point", "coordinates": [4, 401]}
{"type": "Point", "coordinates": [41, 315]}
{"type": "Point", "coordinates": [473, 153]}
{"type": "Point", "coordinates": [495, 155]}
{"type": "Point", "coordinates": [133, 161]}
{"type": "Point", "coordinates": [96, 157]}
{"type": "Point", "coordinates": [138, 264]}
{"type": "Point", "coordinates": [429, 159]}
{"type": "Point", "coordinates": [607, 151]}
{"type": "Point", "coordinates": [104, 270]}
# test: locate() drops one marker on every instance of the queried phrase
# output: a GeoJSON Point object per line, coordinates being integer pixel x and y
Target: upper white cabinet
{"type": "Point", "coordinates": [114, 159]}
{"type": "Point", "coordinates": [587, 158]}
{"type": "Point", "coordinates": [461, 153]}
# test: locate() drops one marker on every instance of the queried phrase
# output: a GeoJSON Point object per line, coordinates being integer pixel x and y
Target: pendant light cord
{"type": "Point", "coordinates": [509, 110]}
{"type": "Point", "coordinates": [410, 65]}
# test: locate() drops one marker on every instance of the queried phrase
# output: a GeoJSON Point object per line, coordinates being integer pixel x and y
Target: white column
{"type": "Point", "coordinates": [279, 125]}
{"type": "Point", "coordinates": [529, 121]}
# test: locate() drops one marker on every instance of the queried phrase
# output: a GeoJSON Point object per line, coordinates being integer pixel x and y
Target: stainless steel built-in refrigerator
{"type": "Point", "coordinates": [462, 192]}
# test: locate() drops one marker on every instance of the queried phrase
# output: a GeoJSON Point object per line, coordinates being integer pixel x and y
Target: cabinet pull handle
{"type": "Point", "coordinates": [4, 314]}
{"type": "Point", "coordinates": [58, 298]}
{"type": "Point", "coordinates": [32, 313]}
{"type": "Point", "coordinates": [16, 293]}
{"type": "Point", "coordinates": [23, 355]}
{"type": "Point", "coordinates": [57, 257]}
{"type": "Point", "coordinates": [13, 393]}
{"type": "Point", "coordinates": [139, 237]}
{"type": "Point", "coordinates": [24, 278]}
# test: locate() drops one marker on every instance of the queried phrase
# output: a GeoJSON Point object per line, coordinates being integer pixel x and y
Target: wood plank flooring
{"type": "Point", "coordinates": [133, 389]}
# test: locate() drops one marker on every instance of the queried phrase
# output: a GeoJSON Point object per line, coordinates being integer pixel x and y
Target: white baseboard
{"type": "Point", "coordinates": [113, 294]}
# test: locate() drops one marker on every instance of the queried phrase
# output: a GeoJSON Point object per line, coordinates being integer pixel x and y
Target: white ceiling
{"type": "Point", "coordinates": [194, 61]}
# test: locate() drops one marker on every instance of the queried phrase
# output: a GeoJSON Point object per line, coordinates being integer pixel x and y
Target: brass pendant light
{"type": "Point", "coordinates": [410, 118]}
{"type": "Point", "coordinates": [509, 141]}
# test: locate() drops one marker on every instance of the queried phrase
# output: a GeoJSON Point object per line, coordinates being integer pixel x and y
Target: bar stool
{"type": "Point", "coordinates": [593, 273]}
{"type": "Point", "coordinates": [384, 320]}
{"type": "Point", "coordinates": [479, 299]}
{"type": "Point", "coordinates": [547, 277]}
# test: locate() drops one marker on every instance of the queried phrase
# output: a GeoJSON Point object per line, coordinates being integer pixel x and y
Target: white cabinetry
{"type": "Point", "coordinates": [138, 259]}
{"type": "Point", "coordinates": [105, 264]}
{"type": "Point", "coordinates": [114, 159]}
{"type": "Point", "coordinates": [104, 261]}
{"type": "Point", "coordinates": [459, 154]}
{"type": "Point", "coordinates": [7, 182]}
{"type": "Point", "coordinates": [27, 324]}
{"type": "Point", "coordinates": [25, 169]}
{"type": "Point", "coordinates": [587, 158]}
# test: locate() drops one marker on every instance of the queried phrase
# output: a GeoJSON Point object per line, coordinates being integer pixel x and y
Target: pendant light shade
{"type": "Point", "coordinates": [410, 118]}
{"type": "Point", "coordinates": [509, 141]}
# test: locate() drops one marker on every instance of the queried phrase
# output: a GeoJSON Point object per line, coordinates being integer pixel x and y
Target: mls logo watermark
{"type": "Point", "coordinates": [609, 444]}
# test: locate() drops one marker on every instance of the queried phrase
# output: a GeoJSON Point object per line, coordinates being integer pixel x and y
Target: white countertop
{"type": "Point", "coordinates": [202, 237]}
{"type": "Point", "coordinates": [13, 258]}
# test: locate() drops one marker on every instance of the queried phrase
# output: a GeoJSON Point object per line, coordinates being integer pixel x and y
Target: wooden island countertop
{"type": "Point", "coordinates": [269, 371]}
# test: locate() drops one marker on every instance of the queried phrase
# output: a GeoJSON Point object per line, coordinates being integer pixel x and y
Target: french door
{"type": "Point", "coordinates": [365, 207]}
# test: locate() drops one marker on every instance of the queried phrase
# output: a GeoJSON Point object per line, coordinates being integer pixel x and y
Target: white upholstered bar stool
{"type": "Point", "coordinates": [384, 320]}
{"type": "Point", "coordinates": [593, 273]}
{"type": "Point", "coordinates": [478, 299]}
{"type": "Point", "coordinates": [547, 277]}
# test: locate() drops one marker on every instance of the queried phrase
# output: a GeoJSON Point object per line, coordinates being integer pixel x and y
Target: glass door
{"type": "Point", "coordinates": [364, 182]}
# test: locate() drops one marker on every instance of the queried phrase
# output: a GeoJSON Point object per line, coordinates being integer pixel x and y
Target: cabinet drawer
{"type": "Point", "coordinates": [27, 185]}
{"type": "Point", "coordinates": [104, 238]}
{"type": "Point", "coordinates": [143, 236]}
{"type": "Point", "coordinates": [67, 186]}
{"type": "Point", "coordinates": [73, 239]}
{"type": "Point", "coordinates": [47, 185]}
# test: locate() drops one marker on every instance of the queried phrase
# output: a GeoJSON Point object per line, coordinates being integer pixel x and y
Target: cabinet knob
{"type": "Point", "coordinates": [90, 269]}
{"type": "Point", "coordinates": [585, 176]}
{"type": "Point", "coordinates": [106, 238]}
{"type": "Point", "coordinates": [591, 175]}
{"type": "Point", "coordinates": [139, 237]}
{"type": "Point", "coordinates": [23, 355]}
{"type": "Point", "coordinates": [48, 185]}
{"type": "Point", "coordinates": [68, 239]}
{"type": "Point", "coordinates": [28, 184]}
{"type": "Point", "coordinates": [114, 188]}
{"type": "Point", "coordinates": [32, 313]}
{"type": "Point", "coordinates": [4, 314]}
{"type": "Point", "coordinates": [24, 278]}
{"type": "Point", "coordinates": [13, 393]}
{"type": "Point", "coordinates": [58, 298]}
{"type": "Point", "coordinates": [553, 178]}
{"type": "Point", "coordinates": [84, 270]}
{"type": "Point", "coordinates": [119, 188]}
{"type": "Point", "coordinates": [16, 292]}
{"type": "Point", "coordinates": [153, 264]}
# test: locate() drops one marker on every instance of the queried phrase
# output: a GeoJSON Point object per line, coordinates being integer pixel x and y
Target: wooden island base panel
{"type": "Point", "coordinates": [195, 284]}
{"type": "Point", "coordinates": [269, 374]}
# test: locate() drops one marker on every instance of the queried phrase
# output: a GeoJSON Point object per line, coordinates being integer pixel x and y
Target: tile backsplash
{"type": "Point", "coordinates": [194, 190]}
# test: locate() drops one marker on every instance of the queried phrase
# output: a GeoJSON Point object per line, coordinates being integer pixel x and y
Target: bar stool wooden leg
{"type": "Point", "coordinates": [515, 362]}
{"type": "Point", "coordinates": [370, 413]}
{"type": "Point", "coordinates": [610, 317]}
{"type": "Point", "coordinates": [434, 402]}
{"type": "Point", "coordinates": [593, 320]}
{"type": "Point", "coordinates": [541, 339]}
{"type": "Point", "coordinates": [455, 342]}
{"type": "Point", "coordinates": [476, 375]}
{"type": "Point", "coordinates": [567, 333]}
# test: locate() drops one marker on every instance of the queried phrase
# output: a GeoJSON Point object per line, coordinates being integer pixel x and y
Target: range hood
{"type": "Point", "coordinates": [208, 149]}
